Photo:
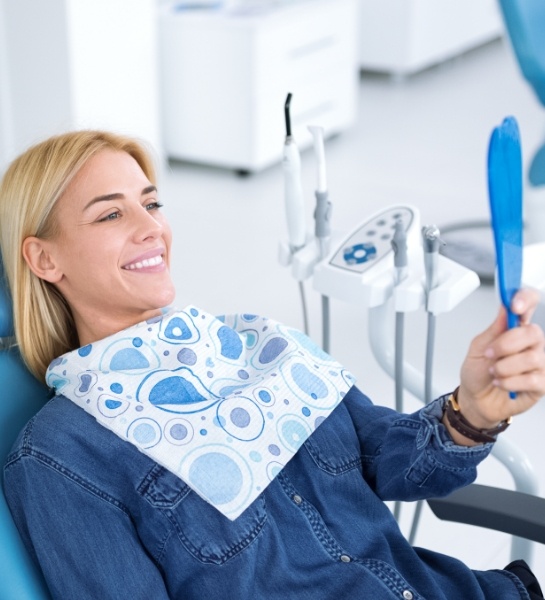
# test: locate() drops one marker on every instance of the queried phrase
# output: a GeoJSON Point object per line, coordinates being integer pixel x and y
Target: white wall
{"type": "Point", "coordinates": [70, 64]}
{"type": "Point", "coordinates": [5, 129]}
{"type": "Point", "coordinates": [37, 69]}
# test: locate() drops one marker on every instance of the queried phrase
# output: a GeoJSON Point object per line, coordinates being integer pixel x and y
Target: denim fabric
{"type": "Point", "coordinates": [106, 522]}
{"type": "Point", "coordinates": [521, 569]}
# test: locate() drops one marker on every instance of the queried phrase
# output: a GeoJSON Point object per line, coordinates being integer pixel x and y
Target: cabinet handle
{"type": "Point", "coordinates": [313, 112]}
{"type": "Point", "coordinates": [312, 47]}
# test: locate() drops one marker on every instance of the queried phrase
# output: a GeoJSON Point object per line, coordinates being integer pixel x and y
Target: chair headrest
{"type": "Point", "coordinates": [6, 312]}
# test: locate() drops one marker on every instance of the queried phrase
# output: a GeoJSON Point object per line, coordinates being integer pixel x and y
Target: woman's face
{"type": "Point", "coordinates": [113, 247]}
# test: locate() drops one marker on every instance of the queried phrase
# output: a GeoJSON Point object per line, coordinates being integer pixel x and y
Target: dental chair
{"type": "Point", "coordinates": [21, 396]}
{"type": "Point", "coordinates": [525, 24]}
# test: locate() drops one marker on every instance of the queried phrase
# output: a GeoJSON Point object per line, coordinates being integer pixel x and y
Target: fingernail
{"type": "Point", "coordinates": [518, 305]}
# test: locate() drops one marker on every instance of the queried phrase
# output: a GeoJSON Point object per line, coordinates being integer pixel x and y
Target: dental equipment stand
{"type": "Point", "coordinates": [379, 263]}
{"type": "Point", "coordinates": [360, 268]}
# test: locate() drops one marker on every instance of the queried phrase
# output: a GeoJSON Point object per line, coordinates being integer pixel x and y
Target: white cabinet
{"type": "Point", "coordinates": [226, 75]}
{"type": "Point", "coordinates": [405, 36]}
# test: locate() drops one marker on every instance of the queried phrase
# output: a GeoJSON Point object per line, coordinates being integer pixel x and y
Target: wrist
{"type": "Point", "coordinates": [468, 408]}
{"type": "Point", "coordinates": [458, 424]}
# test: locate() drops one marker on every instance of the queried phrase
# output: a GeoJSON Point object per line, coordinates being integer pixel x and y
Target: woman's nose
{"type": "Point", "coordinates": [147, 226]}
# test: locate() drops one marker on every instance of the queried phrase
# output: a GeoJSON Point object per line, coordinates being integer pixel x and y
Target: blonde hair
{"type": "Point", "coordinates": [32, 185]}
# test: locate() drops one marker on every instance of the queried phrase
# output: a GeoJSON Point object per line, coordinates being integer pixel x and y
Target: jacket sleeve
{"type": "Point", "coordinates": [84, 541]}
{"type": "Point", "coordinates": [411, 457]}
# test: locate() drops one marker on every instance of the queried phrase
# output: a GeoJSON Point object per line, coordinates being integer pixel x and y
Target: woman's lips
{"type": "Point", "coordinates": [149, 261]}
{"type": "Point", "coordinates": [144, 264]}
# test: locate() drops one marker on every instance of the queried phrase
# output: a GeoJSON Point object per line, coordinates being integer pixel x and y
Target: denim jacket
{"type": "Point", "coordinates": [106, 522]}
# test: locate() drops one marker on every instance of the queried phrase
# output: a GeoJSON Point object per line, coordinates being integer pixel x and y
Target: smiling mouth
{"type": "Point", "coordinates": [145, 264]}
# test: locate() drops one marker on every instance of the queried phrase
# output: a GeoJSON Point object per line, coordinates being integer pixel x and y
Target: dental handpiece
{"type": "Point", "coordinates": [322, 212]}
{"type": "Point", "coordinates": [431, 242]}
{"type": "Point", "coordinates": [399, 246]}
{"type": "Point", "coordinates": [293, 193]}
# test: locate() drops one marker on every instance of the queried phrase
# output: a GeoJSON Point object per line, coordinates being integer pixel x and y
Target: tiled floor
{"type": "Point", "coordinates": [422, 141]}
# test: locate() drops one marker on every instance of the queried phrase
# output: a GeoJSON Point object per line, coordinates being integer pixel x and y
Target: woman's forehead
{"type": "Point", "coordinates": [107, 172]}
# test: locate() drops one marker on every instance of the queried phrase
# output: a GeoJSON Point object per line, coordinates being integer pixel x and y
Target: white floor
{"type": "Point", "coordinates": [421, 141]}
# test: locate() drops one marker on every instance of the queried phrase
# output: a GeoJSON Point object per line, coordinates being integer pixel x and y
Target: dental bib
{"type": "Point", "coordinates": [223, 403]}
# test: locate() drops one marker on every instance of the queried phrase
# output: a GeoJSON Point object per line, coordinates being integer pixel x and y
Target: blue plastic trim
{"type": "Point", "coordinates": [22, 397]}
{"type": "Point", "coordinates": [6, 319]}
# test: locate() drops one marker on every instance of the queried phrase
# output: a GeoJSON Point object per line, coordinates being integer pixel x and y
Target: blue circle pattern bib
{"type": "Point", "coordinates": [224, 403]}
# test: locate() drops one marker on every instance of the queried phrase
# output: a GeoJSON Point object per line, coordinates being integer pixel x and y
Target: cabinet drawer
{"type": "Point", "coordinates": [312, 42]}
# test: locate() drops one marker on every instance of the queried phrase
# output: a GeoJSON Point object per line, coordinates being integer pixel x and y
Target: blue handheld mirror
{"type": "Point", "coordinates": [505, 194]}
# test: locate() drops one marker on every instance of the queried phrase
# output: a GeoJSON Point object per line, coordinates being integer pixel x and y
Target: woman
{"type": "Point", "coordinates": [87, 255]}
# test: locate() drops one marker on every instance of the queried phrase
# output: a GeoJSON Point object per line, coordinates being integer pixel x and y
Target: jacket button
{"type": "Point", "coordinates": [408, 595]}
{"type": "Point", "coordinates": [297, 499]}
{"type": "Point", "coordinates": [345, 559]}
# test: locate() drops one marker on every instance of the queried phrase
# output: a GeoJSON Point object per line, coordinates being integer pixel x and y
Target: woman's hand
{"type": "Point", "coordinates": [501, 360]}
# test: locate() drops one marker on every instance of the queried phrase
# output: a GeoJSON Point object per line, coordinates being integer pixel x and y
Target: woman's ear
{"type": "Point", "coordinates": [38, 257]}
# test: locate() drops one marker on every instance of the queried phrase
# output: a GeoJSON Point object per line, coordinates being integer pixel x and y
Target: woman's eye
{"type": "Point", "coordinates": [111, 217]}
{"type": "Point", "coordinates": [153, 205]}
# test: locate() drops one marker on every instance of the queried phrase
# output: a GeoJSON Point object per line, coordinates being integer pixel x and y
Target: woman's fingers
{"type": "Point", "coordinates": [525, 361]}
{"type": "Point", "coordinates": [502, 360]}
{"type": "Point", "coordinates": [530, 384]}
{"type": "Point", "coordinates": [524, 304]}
{"type": "Point", "coordinates": [515, 341]}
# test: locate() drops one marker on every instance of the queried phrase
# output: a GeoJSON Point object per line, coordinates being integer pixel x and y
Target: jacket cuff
{"type": "Point", "coordinates": [434, 434]}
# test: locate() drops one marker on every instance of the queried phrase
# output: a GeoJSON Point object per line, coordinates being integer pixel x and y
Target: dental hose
{"type": "Point", "coordinates": [430, 343]}
{"type": "Point", "coordinates": [431, 242]}
{"type": "Point", "coordinates": [325, 323]}
{"type": "Point", "coordinates": [399, 246]}
{"type": "Point", "coordinates": [304, 307]}
{"type": "Point", "coordinates": [428, 369]}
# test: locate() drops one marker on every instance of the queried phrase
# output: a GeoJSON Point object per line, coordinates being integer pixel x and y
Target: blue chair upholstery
{"type": "Point", "coordinates": [525, 24]}
{"type": "Point", "coordinates": [21, 397]}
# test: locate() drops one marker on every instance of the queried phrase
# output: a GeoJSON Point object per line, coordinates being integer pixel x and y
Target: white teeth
{"type": "Point", "coordinates": [148, 262]}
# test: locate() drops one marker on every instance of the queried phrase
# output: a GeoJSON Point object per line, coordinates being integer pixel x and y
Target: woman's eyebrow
{"type": "Point", "coordinates": [117, 196]}
{"type": "Point", "coordinates": [105, 198]}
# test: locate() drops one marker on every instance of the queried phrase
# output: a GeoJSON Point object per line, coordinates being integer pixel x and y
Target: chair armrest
{"type": "Point", "coordinates": [515, 513]}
